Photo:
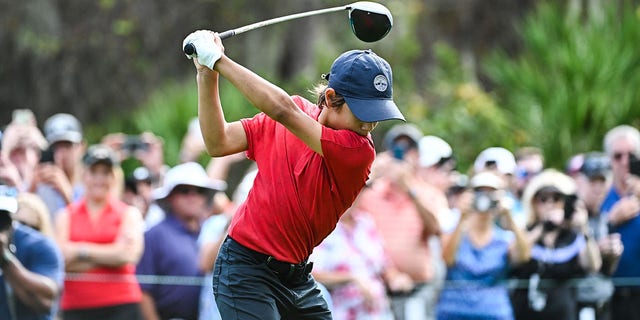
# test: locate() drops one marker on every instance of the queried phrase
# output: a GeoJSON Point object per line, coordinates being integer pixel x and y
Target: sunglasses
{"type": "Point", "coordinates": [524, 174]}
{"type": "Point", "coordinates": [187, 190]}
{"type": "Point", "coordinates": [617, 156]}
{"type": "Point", "coordinates": [549, 197]}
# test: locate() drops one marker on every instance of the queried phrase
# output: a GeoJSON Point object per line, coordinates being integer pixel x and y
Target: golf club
{"type": "Point", "coordinates": [370, 22]}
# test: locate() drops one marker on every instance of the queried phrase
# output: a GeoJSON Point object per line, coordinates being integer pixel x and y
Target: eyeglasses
{"type": "Point", "coordinates": [617, 156]}
{"type": "Point", "coordinates": [186, 190]}
{"type": "Point", "coordinates": [548, 197]}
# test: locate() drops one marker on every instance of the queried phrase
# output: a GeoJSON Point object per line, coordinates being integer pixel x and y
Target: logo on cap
{"type": "Point", "coordinates": [381, 83]}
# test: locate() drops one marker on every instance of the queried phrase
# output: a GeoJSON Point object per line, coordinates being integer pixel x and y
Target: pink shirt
{"type": "Point", "coordinates": [401, 227]}
{"type": "Point", "coordinates": [298, 195]}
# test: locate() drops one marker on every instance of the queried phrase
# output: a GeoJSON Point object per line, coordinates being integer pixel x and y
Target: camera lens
{"type": "Point", "coordinates": [5, 220]}
{"type": "Point", "coordinates": [482, 202]}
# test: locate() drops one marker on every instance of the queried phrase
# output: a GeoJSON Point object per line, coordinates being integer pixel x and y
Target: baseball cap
{"type": "Point", "coordinates": [501, 157]}
{"type": "Point", "coordinates": [486, 179]}
{"type": "Point", "coordinates": [63, 127]}
{"type": "Point", "coordinates": [402, 130]}
{"type": "Point", "coordinates": [99, 153]}
{"type": "Point", "coordinates": [190, 174]}
{"type": "Point", "coordinates": [433, 151]}
{"type": "Point", "coordinates": [595, 165]}
{"type": "Point", "coordinates": [365, 81]}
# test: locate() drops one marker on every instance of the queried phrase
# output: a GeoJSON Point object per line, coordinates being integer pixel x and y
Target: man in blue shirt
{"type": "Point", "coordinates": [621, 207]}
{"type": "Point", "coordinates": [171, 247]}
{"type": "Point", "coordinates": [32, 269]}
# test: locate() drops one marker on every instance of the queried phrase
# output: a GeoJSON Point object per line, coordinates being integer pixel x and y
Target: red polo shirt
{"type": "Point", "coordinates": [298, 195]}
{"type": "Point", "coordinates": [103, 286]}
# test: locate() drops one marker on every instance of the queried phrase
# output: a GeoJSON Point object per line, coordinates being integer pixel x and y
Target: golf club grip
{"type": "Point", "coordinates": [189, 49]}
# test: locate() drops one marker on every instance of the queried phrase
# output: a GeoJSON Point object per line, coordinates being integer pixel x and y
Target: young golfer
{"type": "Point", "coordinates": [313, 159]}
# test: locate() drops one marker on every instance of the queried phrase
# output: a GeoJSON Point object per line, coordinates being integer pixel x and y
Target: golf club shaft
{"type": "Point", "coordinates": [189, 49]}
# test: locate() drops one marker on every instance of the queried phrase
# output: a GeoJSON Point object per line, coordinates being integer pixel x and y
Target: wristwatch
{"type": "Point", "coordinates": [83, 255]}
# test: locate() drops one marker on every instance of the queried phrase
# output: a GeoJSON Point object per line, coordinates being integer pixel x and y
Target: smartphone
{"type": "Point", "coordinates": [133, 143]}
{"type": "Point", "coordinates": [46, 156]}
{"type": "Point", "coordinates": [23, 116]}
{"type": "Point", "coordinates": [570, 206]}
{"type": "Point", "coordinates": [634, 165]}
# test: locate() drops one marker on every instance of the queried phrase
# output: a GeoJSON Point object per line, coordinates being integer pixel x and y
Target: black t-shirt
{"type": "Point", "coordinates": [555, 266]}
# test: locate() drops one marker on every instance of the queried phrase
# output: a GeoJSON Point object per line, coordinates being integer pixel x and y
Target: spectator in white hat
{"type": "Point", "coordinates": [503, 162]}
{"type": "Point", "coordinates": [478, 254]}
{"type": "Point", "coordinates": [171, 246]}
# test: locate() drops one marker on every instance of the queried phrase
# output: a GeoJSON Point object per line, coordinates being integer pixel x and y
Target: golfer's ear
{"type": "Point", "coordinates": [329, 97]}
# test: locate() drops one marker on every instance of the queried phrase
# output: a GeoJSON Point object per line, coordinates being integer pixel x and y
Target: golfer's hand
{"type": "Point", "coordinates": [208, 46]}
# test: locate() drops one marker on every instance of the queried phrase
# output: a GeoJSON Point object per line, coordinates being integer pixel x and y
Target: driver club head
{"type": "Point", "coordinates": [370, 21]}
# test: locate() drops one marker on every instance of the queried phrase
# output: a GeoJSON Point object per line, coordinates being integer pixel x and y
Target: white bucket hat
{"type": "Point", "coordinates": [190, 174]}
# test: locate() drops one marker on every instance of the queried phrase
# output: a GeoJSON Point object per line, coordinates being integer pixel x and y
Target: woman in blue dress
{"type": "Point", "coordinates": [479, 253]}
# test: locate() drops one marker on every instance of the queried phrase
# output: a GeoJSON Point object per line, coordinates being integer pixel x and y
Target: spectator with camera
{"type": "Point", "coordinates": [58, 177]}
{"type": "Point", "coordinates": [171, 246]}
{"type": "Point", "coordinates": [621, 207]}
{"type": "Point", "coordinates": [147, 148]}
{"type": "Point", "coordinates": [479, 253]}
{"type": "Point", "coordinates": [31, 267]}
{"type": "Point", "coordinates": [503, 162]}
{"type": "Point", "coordinates": [592, 173]}
{"type": "Point", "coordinates": [562, 249]}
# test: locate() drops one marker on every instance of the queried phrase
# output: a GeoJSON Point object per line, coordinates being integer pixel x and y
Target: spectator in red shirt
{"type": "Point", "coordinates": [101, 238]}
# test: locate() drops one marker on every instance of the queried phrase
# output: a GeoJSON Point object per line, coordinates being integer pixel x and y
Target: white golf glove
{"type": "Point", "coordinates": [207, 51]}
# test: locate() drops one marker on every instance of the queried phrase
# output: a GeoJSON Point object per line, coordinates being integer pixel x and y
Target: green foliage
{"type": "Point", "coordinates": [169, 111]}
{"type": "Point", "coordinates": [576, 78]}
{"type": "Point", "coordinates": [460, 112]}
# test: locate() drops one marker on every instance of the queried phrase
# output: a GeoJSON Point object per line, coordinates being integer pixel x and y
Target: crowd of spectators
{"type": "Point", "coordinates": [509, 239]}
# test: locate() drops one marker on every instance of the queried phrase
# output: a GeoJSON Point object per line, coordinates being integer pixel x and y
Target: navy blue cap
{"type": "Point", "coordinates": [365, 81]}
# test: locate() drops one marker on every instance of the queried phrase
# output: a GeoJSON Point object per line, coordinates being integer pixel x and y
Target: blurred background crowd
{"type": "Point", "coordinates": [509, 238]}
{"type": "Point", "coordinates": [511, 193]}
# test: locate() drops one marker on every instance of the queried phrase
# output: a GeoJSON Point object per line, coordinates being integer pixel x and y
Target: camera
{"type": "Point", "coordinates": [46, 156]}
{"type": "Point", "coordinates": [133, 143]}
{"type": "Point", "coordinates": [634, 165]}
{"type": "Point", "coordinates": [484, 201]}
{"type": "Point", "coordinates": [5, 220]}
{"type": "Point", "coordinates": [399, 148]}
{"type": "Point", "coordinates": [570, 206]}
{"type": "Point", "coordinates": [8, 205]}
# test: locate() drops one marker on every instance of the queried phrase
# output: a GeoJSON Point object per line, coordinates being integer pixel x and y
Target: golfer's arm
{"type": "Point", "coordinates": [220, 138]}
{"type": "Point", "coordinates": [273, 101]}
